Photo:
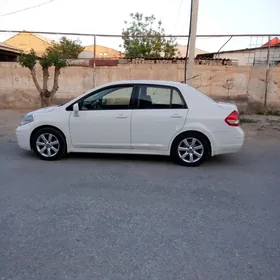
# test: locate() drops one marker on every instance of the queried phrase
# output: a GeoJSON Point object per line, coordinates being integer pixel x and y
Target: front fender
{"type": "Point", "coordinates": [59, 121]}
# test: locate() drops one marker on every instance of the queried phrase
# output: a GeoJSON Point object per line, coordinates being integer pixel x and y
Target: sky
{"type": "Point", "coordinates": [108, 16]}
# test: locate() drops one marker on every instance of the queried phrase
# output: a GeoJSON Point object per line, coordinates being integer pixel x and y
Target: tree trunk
{"type": "Point", "coordinates": [42, 91]}
{"type": "Point", "coordinates": [55, 83]}
{"type": "Point", "coordinates": [45, 94]}
{"type": "Point", "coordinates": [45, 78]}
{"type": "Point", "coordinates": [34, 78]}
{"type": "Point", "coordinates": [45, 101]}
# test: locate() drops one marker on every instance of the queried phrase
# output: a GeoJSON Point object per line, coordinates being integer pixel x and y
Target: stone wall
{"type": "Point", "coordinates": [241, 85]}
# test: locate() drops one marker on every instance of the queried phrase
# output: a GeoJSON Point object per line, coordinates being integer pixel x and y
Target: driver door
{"type": "Point", "coordinates": [104, 119]}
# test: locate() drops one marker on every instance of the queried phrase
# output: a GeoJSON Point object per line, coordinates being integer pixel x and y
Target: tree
{"type": "Point", "coordinates": [146, 47]}
{"type": "Point", "coordinates": [70, 48]}
{"type": "Point", "coordinates": [55, 56]}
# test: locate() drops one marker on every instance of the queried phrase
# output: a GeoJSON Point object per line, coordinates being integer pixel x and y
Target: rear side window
{"type": "Point", "coordinates": [177, 101]}
{"type": "Point", "coordinates": [158, 97]}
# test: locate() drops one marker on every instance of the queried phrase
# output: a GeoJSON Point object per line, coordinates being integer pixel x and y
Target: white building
{"type": "Point", "coordinates": [250, 57]}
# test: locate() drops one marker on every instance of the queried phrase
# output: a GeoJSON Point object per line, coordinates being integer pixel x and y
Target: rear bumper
{"type": "Point", "coordinates": [23, 137]}
{"type": "Point", "coordinates": [228, 142]}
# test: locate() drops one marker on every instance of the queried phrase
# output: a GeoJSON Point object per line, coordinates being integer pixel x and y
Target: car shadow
{"type": "Point", "coordinates": [213, 161]}
{"type": "Point", "coordinates": [119, 157]}
{"type": "Point", "coordinates": [220, 160]}
{"type": "Point", "coordinates": [229, 159]}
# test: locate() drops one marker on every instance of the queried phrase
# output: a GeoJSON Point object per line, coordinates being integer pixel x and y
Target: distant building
{"type": "Point", "coordinates": [101, 52]}
{"type": "Point", "coordinates": [182, 50]}
{"type": "Point", "coordinates": [8, 53]}
{"type": "Point", "coordinates": [250, 56]}
{"type": "Point", "coordinates": [272, 43]}
{"type": "Point", "coordinates": [26, 41]}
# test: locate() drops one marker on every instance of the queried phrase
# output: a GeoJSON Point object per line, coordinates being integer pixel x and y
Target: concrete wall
{"type": "Point", "coordinates": [237, 84]}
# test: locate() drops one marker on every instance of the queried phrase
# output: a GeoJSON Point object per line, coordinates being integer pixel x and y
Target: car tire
{"type": "Point", "coordinates": [49, 144]}
{"type": "Point", "coordinates": [190, 149]}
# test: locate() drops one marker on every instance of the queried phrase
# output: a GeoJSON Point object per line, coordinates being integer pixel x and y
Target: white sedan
{"type": "Point", "coordinates": [135, 117]}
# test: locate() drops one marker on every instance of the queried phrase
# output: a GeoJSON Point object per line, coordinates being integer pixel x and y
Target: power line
{"type": "Point", "coordinates": [28, 8]}
{"type": "Point", "coordinates": [204, 36]}
{"type": "Point", "coordinates": [178, 14]}
{"type": "Point", "coordinates": [188, 44]}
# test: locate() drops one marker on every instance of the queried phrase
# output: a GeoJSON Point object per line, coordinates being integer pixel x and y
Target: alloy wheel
{"type": "Point", "coordinates": [47, 145]}
{"type": "Point", "coordinates": [190, 150]}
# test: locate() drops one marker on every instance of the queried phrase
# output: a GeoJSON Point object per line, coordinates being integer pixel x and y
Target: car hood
{"type": "Point", "coordinates": [44, 110]}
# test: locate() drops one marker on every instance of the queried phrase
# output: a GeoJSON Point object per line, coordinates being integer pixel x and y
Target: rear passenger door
{"type": "Point", "coordinates": [159, 112]}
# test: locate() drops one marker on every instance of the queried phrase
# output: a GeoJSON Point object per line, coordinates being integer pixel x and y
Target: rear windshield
{"type": "Point", "coordinates": [206, 96]}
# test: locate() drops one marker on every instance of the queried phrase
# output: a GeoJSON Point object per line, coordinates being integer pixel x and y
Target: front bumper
{"type": "Point", "coordinates": [23, 136]}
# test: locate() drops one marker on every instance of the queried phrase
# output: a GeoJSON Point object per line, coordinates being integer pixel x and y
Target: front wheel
{"type": "Point", "coordinates": [48, 144]}
{"type": "Point", "coordinates": [190, 149]}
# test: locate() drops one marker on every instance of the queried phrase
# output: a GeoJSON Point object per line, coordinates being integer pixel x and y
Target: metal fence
{"type": "Point", "coordinates": [229, 46]}
{"type": "Point", "coordinates": [254, 50]}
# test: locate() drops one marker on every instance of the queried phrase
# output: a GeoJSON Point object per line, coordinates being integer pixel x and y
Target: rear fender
{"type": "Point", "coordinates": [196, 127]}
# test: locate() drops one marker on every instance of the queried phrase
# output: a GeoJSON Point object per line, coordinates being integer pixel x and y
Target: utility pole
{"type": "Point", "coordinates": [267, 73]}
{"type": "Point", "coordinates": [192, 38]}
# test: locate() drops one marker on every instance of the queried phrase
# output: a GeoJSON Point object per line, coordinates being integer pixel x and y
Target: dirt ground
{"type": "Point", "coordinates": [256, 127]}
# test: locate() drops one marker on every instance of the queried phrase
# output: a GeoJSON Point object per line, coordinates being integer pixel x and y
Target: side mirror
{"type": "Point", "coordinates": [76, 110]}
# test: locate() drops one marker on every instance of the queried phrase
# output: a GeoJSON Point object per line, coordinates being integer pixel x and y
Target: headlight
{"type": "Point", "coordinates": [26, 119]}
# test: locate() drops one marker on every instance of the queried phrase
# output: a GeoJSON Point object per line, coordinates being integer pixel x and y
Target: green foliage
{"type": "Point", "coordinates": [69, 48]}
{"type": "Point", "coordinates": [146, 47]}
{"type": "Point", "coordinates": [28, 60]}
{"type": "Point", "coordinates": [56, 55]}
{"type": "Point", "coordinates": [46, 61]}
{"type": "Point", "coordinates": [169, 48]}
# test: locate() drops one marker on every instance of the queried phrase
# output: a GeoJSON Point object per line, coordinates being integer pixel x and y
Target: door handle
{"type": "Point", "coordinates": [121, 117]}
{"type": "Point", "coordinates": [176, 116]}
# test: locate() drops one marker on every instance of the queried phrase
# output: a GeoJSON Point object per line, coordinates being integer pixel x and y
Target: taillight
{"type": "Point", "coordinates": [232, 119]}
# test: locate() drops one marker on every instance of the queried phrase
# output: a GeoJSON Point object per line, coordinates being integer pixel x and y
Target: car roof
{"type": "Point", "coordinates": [156, 82]}
{"type": "Point", "coordinates": [153, 82]}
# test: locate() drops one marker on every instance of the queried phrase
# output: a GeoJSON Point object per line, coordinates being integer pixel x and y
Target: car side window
{"type": "Point", "coordinates": [116, 98]}
{"type": "Point", "coordinates": [158, 97]}
{"type": "Point", "coordinates": [177, 101]}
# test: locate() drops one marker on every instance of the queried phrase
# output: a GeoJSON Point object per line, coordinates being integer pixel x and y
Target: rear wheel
{"type": "Point", "coordinates": [48, 144]}
{"type": "Point", "coordinates": [190, 149]}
